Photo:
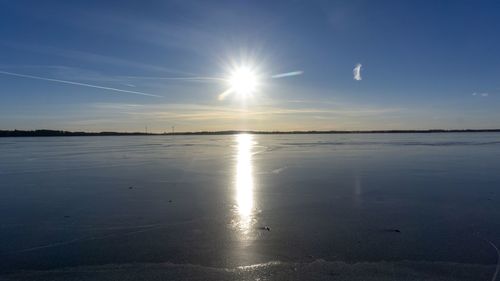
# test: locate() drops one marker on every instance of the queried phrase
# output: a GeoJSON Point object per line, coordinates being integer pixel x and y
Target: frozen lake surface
{"type": "Point", "coordinates": [250, 207]}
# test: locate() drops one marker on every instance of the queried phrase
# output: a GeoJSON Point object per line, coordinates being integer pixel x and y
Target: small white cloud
{"type": "Point", "coordinates": [357, 72]}
{"type": "Point", "coordinates": [480, 94]}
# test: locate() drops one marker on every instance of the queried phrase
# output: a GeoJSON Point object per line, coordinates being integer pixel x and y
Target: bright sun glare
{"type": "Point", "coordinates": [243, 81]}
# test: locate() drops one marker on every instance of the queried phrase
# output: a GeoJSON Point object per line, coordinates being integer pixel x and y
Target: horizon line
{"type": "Point", "coordinates": [49, 132]}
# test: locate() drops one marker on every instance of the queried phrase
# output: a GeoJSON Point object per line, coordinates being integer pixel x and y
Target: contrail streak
{"type": "Point", "coordinates": [288, 74]}
{"type": "Point", "coordinates": [77, 84]}
{"type": "Point", "coordinates": [199, 78]}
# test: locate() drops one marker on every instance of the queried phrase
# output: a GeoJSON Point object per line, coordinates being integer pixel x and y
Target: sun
{"type": "Point", "coordinates": [243, 81]}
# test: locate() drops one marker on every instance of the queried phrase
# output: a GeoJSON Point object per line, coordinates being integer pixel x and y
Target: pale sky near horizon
{"type": "Point", "coordinates": [352, 65]}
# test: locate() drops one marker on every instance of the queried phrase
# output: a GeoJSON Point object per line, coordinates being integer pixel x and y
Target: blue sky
{"type": "Point", "coordinates": [124, 65]}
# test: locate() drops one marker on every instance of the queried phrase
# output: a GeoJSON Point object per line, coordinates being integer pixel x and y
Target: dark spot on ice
{"type": "Point", "coordinates": [130, 187]}
{"type": "Point", "coordinates": [265, 228]}
{"type": "Point", "coordinates": [169, 201]}
{"type": "Point", "coordinates": [67, 216]}
{"type": "Point", "coordinates": [333, 273]}
{"type": "Point", "coordinates": [395, 230]}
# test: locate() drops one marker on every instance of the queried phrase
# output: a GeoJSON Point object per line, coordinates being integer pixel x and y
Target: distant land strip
{"type": "Point", "coordinates": [57, 133]}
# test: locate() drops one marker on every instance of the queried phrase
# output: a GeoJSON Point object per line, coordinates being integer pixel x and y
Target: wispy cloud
{"type": "Point", "coordinates": [77, 83]}
{"type": "Point", "coordinates": [187, 116]}
{"type": "Point", "coordinates": [91, 57]}
{"type": "Point", "coordinates": [480, 94]}
{"type": "Point", "coordinates": [152, 31]}
{"type": "Point", "coordinates": [357, 72]}
{"type": "Point", "coordinates": [190, 112]}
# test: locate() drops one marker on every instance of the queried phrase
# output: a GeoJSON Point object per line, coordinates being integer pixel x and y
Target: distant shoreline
{"type": "Point", "coordinates": [56, 133]}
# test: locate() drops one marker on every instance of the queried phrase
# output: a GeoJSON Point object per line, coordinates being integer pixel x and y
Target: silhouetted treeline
{"type": "Point", "coordinates": [54, 133]}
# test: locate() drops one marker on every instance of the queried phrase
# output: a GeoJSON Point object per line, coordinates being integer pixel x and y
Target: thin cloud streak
{"type": "Point", "coordinates": [357, 72]}
{"type": "Point", "coordinates": [210, 112]}
{"type": "Point", "coordinates": [187, 78]}
{"type": "Point", "coordinates": [77, 84]}
{"type": "Point", "coordinates": [213, 117]}
{"type": "Point", "coordinates": [288, 74]}
{"type": "Point", "coordinates": [224, 94]}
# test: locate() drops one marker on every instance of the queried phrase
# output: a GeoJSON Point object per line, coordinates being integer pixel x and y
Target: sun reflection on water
{"type": "Point", "coordinates": [244, 183]}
